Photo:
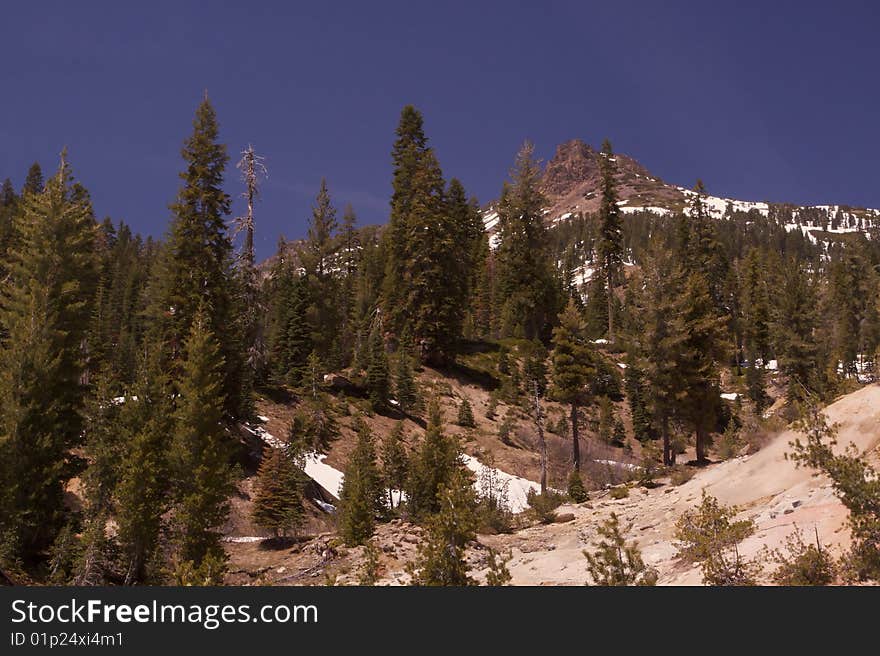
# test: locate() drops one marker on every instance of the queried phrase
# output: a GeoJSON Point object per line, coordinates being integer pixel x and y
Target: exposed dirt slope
{"type": "Point", "coordinates": [766, 486]}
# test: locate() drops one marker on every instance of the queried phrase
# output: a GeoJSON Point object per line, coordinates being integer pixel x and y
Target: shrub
{"type": "Point", "coordinates": [576, 491]}
{"type": "Point", "coordinates": [493, 510]}
{"type": "Point", "coordinates": [802, 564]}
{"type": "Point", "coordinates": [369, 571]}
{"type": "Point", "coordinates": [616, 562]}
{"type": "Point", "coordinates": [730, 443]}
{"type": "Point", "coordinates": [620, 492]}
{"type": "Point", "coordinates": [650, 464]}
{"type": "Point", "coordinates": [708, 535]}
{"type": "Point", "coordinates": [492, 406]}
{"type": "Point", "coordinates": [498, 573]}
{"type": "Point", "coordinates": [506, 430]}
{"type": "Point", "coordinates": [681, 475]}
{"type": "Point", "coordinates": [544, 505]}
{"type": "Point", "coordinates": [856, 483]}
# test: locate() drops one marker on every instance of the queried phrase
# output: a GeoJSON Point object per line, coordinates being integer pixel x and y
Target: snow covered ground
{"type": "Point", "coordinates": [517, 487]}
{"type": "Point", "coordinates": [324, 475]}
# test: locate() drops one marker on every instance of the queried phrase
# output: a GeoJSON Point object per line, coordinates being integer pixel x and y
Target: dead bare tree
{"type": "Point", "coordinates": [252, 169]}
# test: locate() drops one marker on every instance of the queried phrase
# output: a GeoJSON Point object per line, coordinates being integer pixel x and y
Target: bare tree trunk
{"type": "Point", "coordinates": [539, 424]}
{"type": "Point", "coordinates": [575, 442]}
{"type": "Point", "coordinates": [701, 444]}
{"type": "Point", "coordinates": [668, 455]}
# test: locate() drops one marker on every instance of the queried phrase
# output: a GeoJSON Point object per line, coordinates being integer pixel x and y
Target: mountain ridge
{"type": "Point", "coordinates": [571, 182]}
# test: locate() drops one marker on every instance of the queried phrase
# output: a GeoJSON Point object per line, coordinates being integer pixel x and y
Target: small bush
{"type": "Point", "coordinates": [505, 432]}
{"type": "Point", "coordinates": [650, 464]}
{"type": "Point", "coordinates": [369, 571]}
{"type": "Point", "coordinates": [615, 562]}
{"type": "Point", "coordinates": [544, 505]}
{"type": "Point", "coordinates": [802, 564]}
{"type": "Point", "coordinates": [498, 573]}
{"type": "Point", "coordinates": [620, 492]}
{"type": "Point", "coordinates": [492, 407]}
{"type": "Point", "coordinates": [681, 475]}
{"type": "Point", "coordinates": [709, 535]}
{"type": "Point", "coordinates": [730, 443]}
{"type": "Point", "coordinates": [576, 491]}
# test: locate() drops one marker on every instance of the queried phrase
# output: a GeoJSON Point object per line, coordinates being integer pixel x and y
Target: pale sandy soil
{"type": "Point", "coordinates": [767, 487]}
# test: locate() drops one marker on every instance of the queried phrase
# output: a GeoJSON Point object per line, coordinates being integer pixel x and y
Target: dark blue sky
{"type": "Point", "coordinates": [763, 100]}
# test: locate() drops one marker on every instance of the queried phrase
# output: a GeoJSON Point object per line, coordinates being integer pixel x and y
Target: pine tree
{"type": "Point", "coordinates": [33, 183]}
{"type": "Point", "coordinates": [440, 560]}
{"type": "Point", "coordinates": [405, 389]}
{"type": "Point", "coordinates": [535, 370]}
{"type": "Point", "coordinates": [377, 370]}
{"type": "Point", "coordinates": [431, 467]}
{"type": "Point", "coordinates": [252, 167]}
{"type": "Point", "coordinates": [636, 395]}
{"type": "Point", "coordinates": [610, 247]}
{"type": "Point", "coordinates": [465, 414]}
{"type": "Point", "coordinates": [574, 366]}
{"type": "Point", "coordinates": [660, 344]}
{"type": "Point", "coordinates": [426, 278]}
{"type": "Point", "coordinates": [576, 490]}
{"type": "Point", "coordinates": [8, 204]}
{"type": "Point", "coordinates": [200, 448]}
{"type": "Point", "coordinates": [44, 310]}
{"type": "Point", "coordinates": [756, 311]}
{"type": "Point", "coordinates": [526, 275]}
{"type": "Point", "coordinates": [317, 257]}
{"type": "Point", "coordinates": [313, 425]}
{"type": "Point", "coordinates": [794, 326]}
{"type": "Point", "coordinates": [408, 155]}
{"type": "Point", "coordinates": [432, 279]}
{"type": "Point", "coordinates": [596, 309]}
{"type": "Point", "coordinates": [347, 289]}
{"type": "Point", "coordinates": [277, 499]}
{"type": "Point", "coordinates": [322, 229]}
{"type": "Point", "coordinates": [395, 462]}
{"type": "Point", "coordinates": [704, 252]}
{"type": "Point", "coordinates": [197, 263]}
{"type": "Point", "coordinates": [141, 495]}
{"type": "Point", "coordinates": [606, 420]}
{"type": "Point", "coordinates": [361, 496]}
{"type": "Point", "coordinates": [701, 350]}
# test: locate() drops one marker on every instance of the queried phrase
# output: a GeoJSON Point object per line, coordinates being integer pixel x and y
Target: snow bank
{"type": "Point", "coordinates": [517, 487]}
{"type": "Point", "coordinates": [622, 465]}
{"type": "Point", "coordinates": [324, 475]}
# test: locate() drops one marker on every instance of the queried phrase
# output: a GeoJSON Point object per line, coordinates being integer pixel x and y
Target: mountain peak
{"type": "Point", "coordinates": [572, 180]}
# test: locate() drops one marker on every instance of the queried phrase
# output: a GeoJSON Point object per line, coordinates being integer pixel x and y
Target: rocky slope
{"type": "Point", "coordinates": [571, 183]}
{"type": "Point", "coordinates": [765, 486]}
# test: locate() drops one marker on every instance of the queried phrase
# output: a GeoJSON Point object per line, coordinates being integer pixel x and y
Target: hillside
{"type": "Point", "coordinates": [765, 486]}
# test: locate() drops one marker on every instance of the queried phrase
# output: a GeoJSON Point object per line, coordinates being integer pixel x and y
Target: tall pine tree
{"type": "Point", "coordinates": [44, 309]}
{"type": "Point", "coordinates": [610, 244]}
{"type": "Point", "coordinates": [200, 450]}
{"type": "Point", "coordinates": [196, 269]}
{"type": "Point", "coordinates": [574, 368]}
{"type": "Point", "coordinates": [526, 276]}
